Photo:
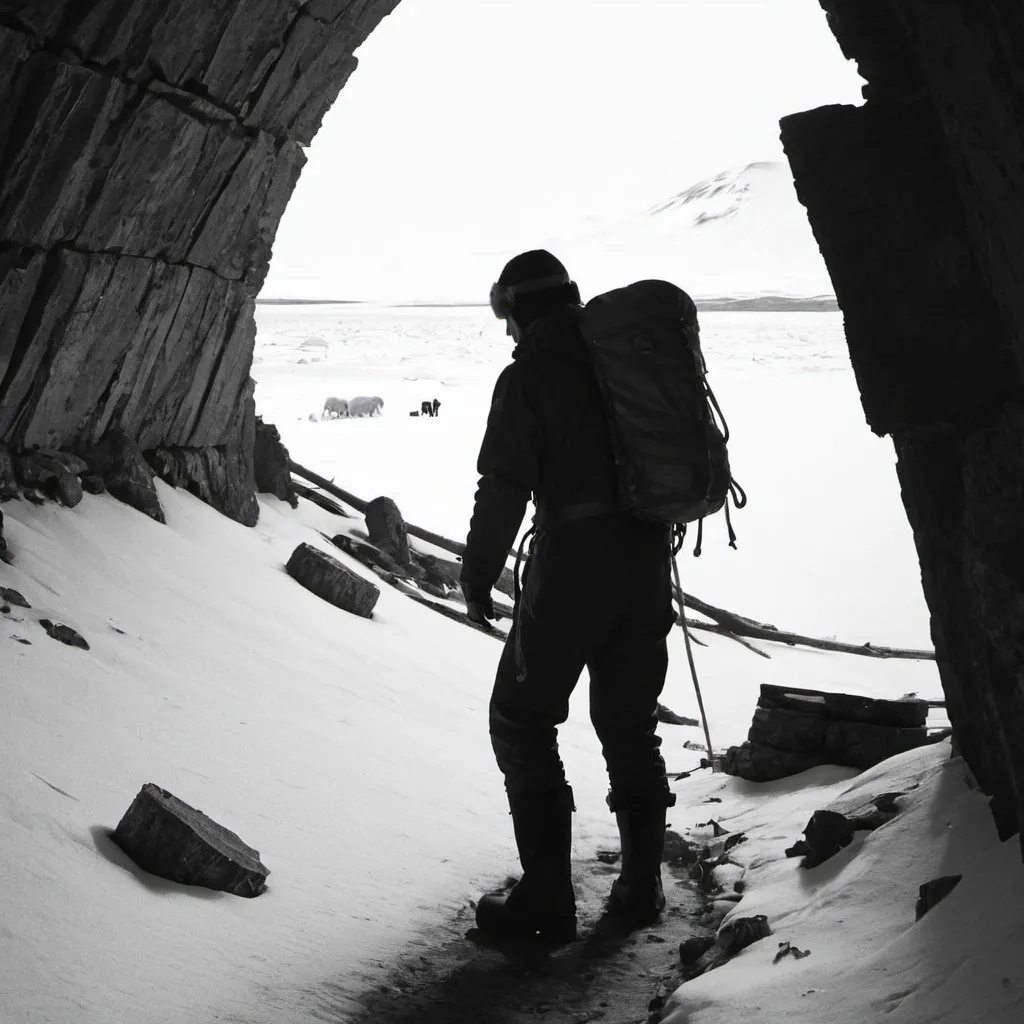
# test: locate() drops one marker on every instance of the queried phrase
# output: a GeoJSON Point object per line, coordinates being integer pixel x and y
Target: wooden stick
{"type": "Point", "coordinates": [360, 506]}
{"type": "Point", "coordinates": [712, 627]}
{"type": "Point", "coordinates": [743, 626]}
{"type": "Point", "coordinates": [319, 499]}
{"type": "Point", "coordinates": [734, 625]}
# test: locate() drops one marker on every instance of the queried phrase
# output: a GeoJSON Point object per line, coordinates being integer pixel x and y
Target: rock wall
{"type": "Point", "coordinates": [147, 151]}
{"type": "Point", "coordinates": [917, 201]}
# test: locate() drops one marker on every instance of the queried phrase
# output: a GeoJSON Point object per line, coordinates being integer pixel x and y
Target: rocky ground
{"type": "Point", "coordinates": [456, 977]}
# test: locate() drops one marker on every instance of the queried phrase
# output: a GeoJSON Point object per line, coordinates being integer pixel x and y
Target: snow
{"type": "Point", "coordinates": [354, 753]}
{"type": "Point", "coordinates": [740, 233]}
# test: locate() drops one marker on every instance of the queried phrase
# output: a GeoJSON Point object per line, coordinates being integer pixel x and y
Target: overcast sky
{"type": "Point", "coordinates": [473, 129]}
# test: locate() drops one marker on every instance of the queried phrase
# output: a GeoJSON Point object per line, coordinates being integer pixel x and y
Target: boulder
{"type": "Point", "coordinates": [213, 475]}
{"type": "Point", "coordinates": [761, 763]}
{"type": "Point", "coordinates": [119, 461]}
{"type": "Point", "coordinates": [329, 579]}
{"type": "Point", "coordinates": [386, 528]}
{"type": "Point", "coordinates": [826, 834]}
{"type": "Point", "coordinates": [167, 837]}
{"type": "Point", "coordinates": [92, 483]}
{"type": "Point", "coordinates": [788, 730]}
{"type": "Point", "coordinates": [862, 745]}
{"type": "Point", "coordinates": [272, 464]}
{"type": "Point", "coordinates": [65, 488]}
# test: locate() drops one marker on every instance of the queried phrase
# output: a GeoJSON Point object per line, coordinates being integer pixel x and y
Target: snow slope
{"type": "Point", "coordinates": [353, 754]}
{"type": "Point", "coordinates": [739, 233]}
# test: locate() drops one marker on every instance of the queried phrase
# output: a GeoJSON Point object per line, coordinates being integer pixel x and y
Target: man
{"type": "Point", "coordinates": [596, 594]}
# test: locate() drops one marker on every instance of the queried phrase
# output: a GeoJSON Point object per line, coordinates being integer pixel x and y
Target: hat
{"type": "Point", "coordinates": [529, 272]}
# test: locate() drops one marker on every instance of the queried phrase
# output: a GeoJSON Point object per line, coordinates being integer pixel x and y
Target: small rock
{"type": "Point", "coordinates": [693, 948]}
{"type": "Point", "coordinates": [5, 609]}
{"type": "Point", "coordinates": [326, 577]}
{"type": "Point", "coordinates": [65, 488]}
{"type": "Point", "coordinates": [826, 834]}
{"type": "Point", "coordinates": [10, 596]}
{"type": "Point", "coordinates": [22, 640]}
{"type": "Point", "coordinates": [32, 470]}
{"type": "Point", "coordinates": [788, 949]}
{"type": "Point", "coordinates": [92, 483]}
{"type": "Point", "coordinates": [65, 634]}
{"type": "Point", "coordinates": [34, 496]}
{"type": "Point", "coordinates": [62, 461]}
{"type": "Point", "coordinates": [934, 892]}
{"type": "Point", "coordinates": [743, 932]}
{"type": "Point", "coordinates": [167, 837]}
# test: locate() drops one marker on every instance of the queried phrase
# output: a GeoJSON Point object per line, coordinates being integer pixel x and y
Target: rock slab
{"type": "Point", "coordinates": [167, 837]}
{"type": "Point", "coordinates": [794, 729]}
{"type": "Point", "coordinates": [386, 527]}
{"type": "Point", "coordinates": [119, 461]}
{"type": "Point", "coordinates": [326, 577]}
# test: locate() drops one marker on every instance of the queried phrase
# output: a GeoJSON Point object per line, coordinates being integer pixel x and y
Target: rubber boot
{"type": "Point", "coordinates": [542, 904]}
{"type": "Point", "coordinates": [637, 897]}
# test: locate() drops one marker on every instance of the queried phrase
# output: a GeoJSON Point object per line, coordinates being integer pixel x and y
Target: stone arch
{"type": "Point", "coordinates": [147, 151]}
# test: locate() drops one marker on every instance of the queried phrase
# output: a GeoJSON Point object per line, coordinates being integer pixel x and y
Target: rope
{"type": "Point", "coordinates": [689, 656]}
{"type": "Point", "coordinates": [517, 581]}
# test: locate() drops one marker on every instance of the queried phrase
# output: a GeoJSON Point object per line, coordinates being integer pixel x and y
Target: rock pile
{"type": "Point", "coordinates": [795, 729]}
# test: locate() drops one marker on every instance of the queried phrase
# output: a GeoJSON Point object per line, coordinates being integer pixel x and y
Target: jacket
{"type": "Point", "coordinates": [547, 435]}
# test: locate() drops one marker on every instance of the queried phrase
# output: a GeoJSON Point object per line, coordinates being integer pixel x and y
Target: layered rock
{"type": "Point", "coordinates": [917, 202]}
{"type": "Point", "coordinates": [169, 838]}
{"type": "Point", "coordinates": [795, 729]}
{"type": "Point", "coordinates": [147, 152]}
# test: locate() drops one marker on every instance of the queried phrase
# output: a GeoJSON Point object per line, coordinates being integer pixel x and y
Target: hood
{"type": "Point", "coordinates": [557, 333]}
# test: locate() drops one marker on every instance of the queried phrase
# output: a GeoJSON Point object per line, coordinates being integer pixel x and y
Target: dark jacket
{"type": "Point", "coordinates": [547, 435]}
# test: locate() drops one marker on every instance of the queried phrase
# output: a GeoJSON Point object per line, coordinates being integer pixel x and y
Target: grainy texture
{"type": "Point", "coordinates": [329, 579]}
{"type": "Point", "coordinates": [167, 837]}
{"type": "Point", "coordinates": [917, 202]}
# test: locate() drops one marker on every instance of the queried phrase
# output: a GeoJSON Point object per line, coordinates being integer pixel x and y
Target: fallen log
{"type": "Point", "coordinates": [732, 624]}
{"type": "Point", "coordinates": [742, 626]}
{"type": "Point", "coordinates": [712, 627]}
{"type": "Point", "coordinates": [360, 506]}
{"type": "Point", "coordinates": [319, 499]}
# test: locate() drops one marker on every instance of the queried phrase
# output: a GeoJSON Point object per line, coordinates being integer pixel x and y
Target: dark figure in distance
{"type": "Point", "coordinates": [596, 594]}
{"type": "Point", "coordinates": [435, 405]}
{"type": "Point", "coordinates": [427, 408]}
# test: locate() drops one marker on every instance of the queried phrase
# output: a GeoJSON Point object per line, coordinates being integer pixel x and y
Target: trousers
{"type": "Point", "coordinates": [596, 595]}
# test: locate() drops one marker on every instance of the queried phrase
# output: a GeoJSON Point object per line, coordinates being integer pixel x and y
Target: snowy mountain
{"type": "Point", "coordinates": [739, 233]}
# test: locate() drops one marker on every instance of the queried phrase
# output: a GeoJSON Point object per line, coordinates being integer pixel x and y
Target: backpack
{"type": "Point", "coordinates": [671, 456]}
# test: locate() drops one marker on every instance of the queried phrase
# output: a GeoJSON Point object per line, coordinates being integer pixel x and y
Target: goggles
{"type": "Point", "coordinates": [504, 295]}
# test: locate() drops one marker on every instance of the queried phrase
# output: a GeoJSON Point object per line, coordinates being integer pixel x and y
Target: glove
{"type": "Point", "coordinates": [479, 606]}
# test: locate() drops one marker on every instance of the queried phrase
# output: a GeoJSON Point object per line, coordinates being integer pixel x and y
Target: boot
{"type": "Point", "coordinates": [542, 904]}
{"type": "Point", "coordinates": [637, 897]}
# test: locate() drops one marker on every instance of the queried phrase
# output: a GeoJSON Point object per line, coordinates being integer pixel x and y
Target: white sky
{"type": "Point", "coordinates": [476, 128]}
